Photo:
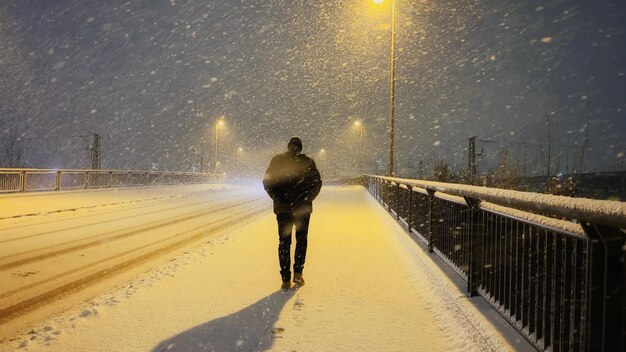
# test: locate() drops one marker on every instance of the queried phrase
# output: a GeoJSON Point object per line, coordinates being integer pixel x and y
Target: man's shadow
{"type": "Point", "coordinates": [249, 329]}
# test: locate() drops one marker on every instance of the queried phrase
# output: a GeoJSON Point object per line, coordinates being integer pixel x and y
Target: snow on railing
{"type": "Point", "coordinates": [553, 266]}
{"type": "Point", "coordinates": [612, 213]}
{"type": "Point", "coordinates": [27, 180]}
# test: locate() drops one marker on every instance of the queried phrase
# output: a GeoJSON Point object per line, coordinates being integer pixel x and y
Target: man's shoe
{"type": "Point", "coordinates": [286, 285]}
{"type": "Point", "coordinates": [298, 279]}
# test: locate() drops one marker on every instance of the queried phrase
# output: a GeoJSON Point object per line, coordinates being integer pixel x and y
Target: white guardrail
{"type": "Point", "coordinates": [30, 180]}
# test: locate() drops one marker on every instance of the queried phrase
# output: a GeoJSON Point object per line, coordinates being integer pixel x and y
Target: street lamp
{"type": "Point", "coordinates": [323, 158]}
{"type": "Point", "coordinates": [219, 123]}
{"type": "Point", "coordinates": [359, 125]}
{"type": "Point", "coordinates": [392, 86]}
{"type": "Point", "coordinates": [239, 165]}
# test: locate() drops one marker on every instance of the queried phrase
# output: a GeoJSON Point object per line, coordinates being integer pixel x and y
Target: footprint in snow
{"type": "Point", "coordinates": [24, 274]}
{"type": "Point", "coordinates": [88, 312]}
{"type": "Point", "coordinates": [277, 330]}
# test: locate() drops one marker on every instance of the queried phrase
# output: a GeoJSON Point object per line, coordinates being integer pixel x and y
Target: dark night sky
{"type": "Point", "coordinates": [152, 76]}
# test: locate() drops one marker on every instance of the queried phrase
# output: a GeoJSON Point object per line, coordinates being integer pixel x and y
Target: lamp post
{"type": "Point", "coordinates": [359, 125]}
{"type": "Point", "coordinates": [239, 165]}
{"type": "Point", "coordinates": [219, 123]}
{"type": "Point", "coordinates": [391, 87]}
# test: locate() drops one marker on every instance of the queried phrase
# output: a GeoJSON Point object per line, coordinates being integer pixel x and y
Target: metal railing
{"type": "Point", "coordinates": [552, 266]}
{"type": "Point", "coordinates": [29, 180]}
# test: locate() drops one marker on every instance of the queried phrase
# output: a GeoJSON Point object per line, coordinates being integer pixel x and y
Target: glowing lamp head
{"type": "Point", "coordinates": [379, 1]}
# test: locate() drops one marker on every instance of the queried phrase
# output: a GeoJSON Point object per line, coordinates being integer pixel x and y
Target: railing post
{"type": "Point", "coordinates": [605, 291]}
{"type": "Point", "coordinates": [86, 180]}
{"type": "Point", "coordinates": [110, 179]}
{"type": "Point", "coordinates": [397, 201]}
{"type": "Point", "coordinates": [476, 234]}
{"type": "Point", "coordinates": [410, 217]}
{"type": "Point", "coordinates": [23, 181]}
{"type": "Point", "coordinates": [57, 181]}
{"type": "Point", "coordinates": [431, 235]}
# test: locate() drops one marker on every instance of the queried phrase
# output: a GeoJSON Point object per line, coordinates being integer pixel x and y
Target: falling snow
{"type": "Point", "coordinates": [277, 69]}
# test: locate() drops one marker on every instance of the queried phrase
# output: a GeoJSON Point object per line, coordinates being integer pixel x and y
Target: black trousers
{"type": "Point", "coordinates": [286, 222]}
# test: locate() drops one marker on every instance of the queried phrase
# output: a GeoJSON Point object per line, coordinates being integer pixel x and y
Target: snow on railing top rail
{"type": "Point", "coordinates": [606, 212]}
{"type": "Point", "coordinates": [25, 180]}
{"type": "Point", "coordinates": [109, 170]}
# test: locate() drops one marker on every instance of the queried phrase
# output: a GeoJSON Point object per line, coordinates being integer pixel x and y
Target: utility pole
{"type": "Point", "coordinates": [94, 147]}
{"type": "Point", "coordinates": [359, 124]}
{"type": "Point", "coordinates": [420, 168]}
{"type": "Point", "coordinates": [218, 124]}
{"type": "Point", "coordinates": [215, 151]}
{"type": "Point", "coordinates": [471, 157]}
{"type": "Point", "coordinates": [549, 125]}
{"type": "Point", "coordinates": [567, 171]}
{"type": "Point", "coordinates": [392, 97]}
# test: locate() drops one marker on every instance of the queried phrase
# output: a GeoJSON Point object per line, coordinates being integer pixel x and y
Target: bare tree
{"type": "Point", "coordinates": [12, 148]}
{"type": "Point", "coordinates": [441, 171]}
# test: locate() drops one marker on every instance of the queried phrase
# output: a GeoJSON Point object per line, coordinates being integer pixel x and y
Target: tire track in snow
{"type": "Point", "coordinates": [119, 264]}
{"type": "Point", "coordinates": [125, 209]}
{"type": "Point", "coordinates": [95, 240]}
{"type": "Point", "coordinates": [87, 207]}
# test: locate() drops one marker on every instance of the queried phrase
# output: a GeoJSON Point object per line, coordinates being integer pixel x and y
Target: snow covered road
{"type": "Point", "coordinates": [70, 242]}
{"type": "Point", "coordinates": [369, 287]}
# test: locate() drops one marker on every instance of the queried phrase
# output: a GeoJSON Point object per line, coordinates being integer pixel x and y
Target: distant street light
{"type": "Point", "coordinates": [359, 125]}
{"type": "Point", "coordinates": [323, 157]}
{"type": "Point", "coordinates": [218, 124]}
{"type": "Point", "coordinates": [392, 86]}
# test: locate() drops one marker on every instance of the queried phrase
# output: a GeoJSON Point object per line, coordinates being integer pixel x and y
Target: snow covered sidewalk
{"type": "Point", "coordinates": [369, 288]}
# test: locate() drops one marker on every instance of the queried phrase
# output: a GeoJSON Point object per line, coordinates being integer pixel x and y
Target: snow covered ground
{"type": "Point", "coordinates": [369, 286]}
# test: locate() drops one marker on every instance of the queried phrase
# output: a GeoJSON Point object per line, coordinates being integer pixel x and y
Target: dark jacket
{"type": "Point", "coordinates": [292, 181]}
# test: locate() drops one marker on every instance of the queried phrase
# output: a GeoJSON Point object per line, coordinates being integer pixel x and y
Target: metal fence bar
{"type": "Point", "coordinates": [560, 285]}
{"type": "Point", "coordinates": [27, 180]}
{"type": "Point", "coordinates": [10, 181]}
{"type": "Point", "coordinates": [40, 181]}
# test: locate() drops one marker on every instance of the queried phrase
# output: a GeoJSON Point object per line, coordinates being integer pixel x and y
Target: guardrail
{"type": "Point", "coordinates": [552, 266]}
{"type": "Point", "coordinates": [28, 180]}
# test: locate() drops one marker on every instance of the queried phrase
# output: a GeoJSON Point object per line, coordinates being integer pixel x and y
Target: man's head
{"type": "Point", "coordinates": [295, 145]}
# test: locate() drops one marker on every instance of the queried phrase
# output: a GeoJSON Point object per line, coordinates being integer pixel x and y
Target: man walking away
{"type": "Point", "coordinates": [292, 181]}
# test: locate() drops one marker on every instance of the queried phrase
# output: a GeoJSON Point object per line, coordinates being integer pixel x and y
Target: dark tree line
{"type": "Point", "coordinates": [11, 147]}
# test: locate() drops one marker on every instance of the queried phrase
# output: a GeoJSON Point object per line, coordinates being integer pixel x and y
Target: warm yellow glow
{"type": "Point", "coordinates": [379, 1]}
{"type": "Point", "coordinates": [220, 122]}
{"type": "Point", "coordinates": [357, 123]}
{"type": "Point", "coordinates": [240, 149]}
{"type": "Point", "coordinates": [322, 151]}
